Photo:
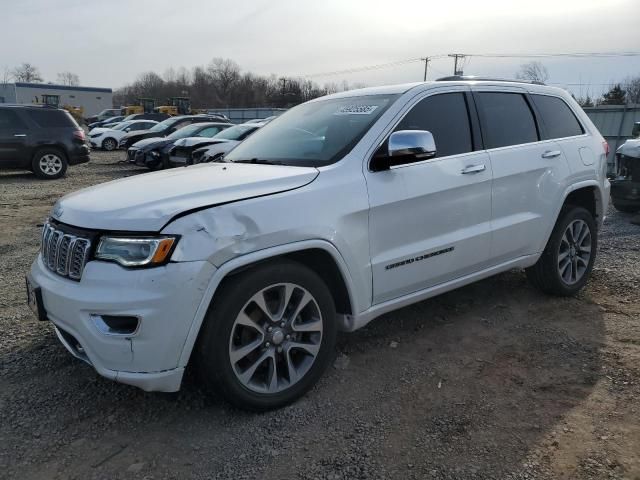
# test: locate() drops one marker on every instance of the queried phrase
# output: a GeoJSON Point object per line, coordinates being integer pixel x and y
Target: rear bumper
{"type": "Point", "coordinates": [81, 155]}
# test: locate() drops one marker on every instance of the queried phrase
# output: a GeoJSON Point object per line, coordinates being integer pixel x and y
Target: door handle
{"type": "Point", "coordinates": [474, 169]}
{"type": "Point", "coordinates": [20, 135]}
{"type": "Point", "coordinates": [551, 154]}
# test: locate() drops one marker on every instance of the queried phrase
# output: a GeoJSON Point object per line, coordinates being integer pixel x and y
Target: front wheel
{"type": "Point", "coordinates": [109, 144]}
{"type": "Point", "coordinates": [566, 263]}
{"type": "Point", "coordinates": [268, 336]}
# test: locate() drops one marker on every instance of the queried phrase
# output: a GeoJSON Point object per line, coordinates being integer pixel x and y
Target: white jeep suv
{"type": "Point", "coordinates": [341, 209]}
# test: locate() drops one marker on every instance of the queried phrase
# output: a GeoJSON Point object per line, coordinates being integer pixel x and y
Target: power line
{"type": "Point", "coordinates": [466, 56]}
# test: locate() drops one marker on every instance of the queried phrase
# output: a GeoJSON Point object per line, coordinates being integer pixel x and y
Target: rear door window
{"type": "Point", "coordinates": [446, 116]}
{"type": "Point", "coordinates": [49, 118]}
{"type": "Point", "coordinates": [559, 121]}
{"type": "Point", "coordinates": [506, 119]}
{"type": "Point", "coordinates": [10, 120]}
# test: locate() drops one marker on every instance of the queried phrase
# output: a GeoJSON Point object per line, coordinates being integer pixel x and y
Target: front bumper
{"type": "Point", "coordinates": [165, 300]}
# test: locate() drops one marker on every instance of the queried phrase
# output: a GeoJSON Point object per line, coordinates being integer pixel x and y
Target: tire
{"type": "Point", "coordinates": [552, 274]}
{"type": "Point", "coordinates": [109, 144]}
{"type": "Point", "coordinates": [49, 164]}
{"type": "Point", "coordinates": [625, 208]}
{"type": "Point", "coordinates": [236, 326]}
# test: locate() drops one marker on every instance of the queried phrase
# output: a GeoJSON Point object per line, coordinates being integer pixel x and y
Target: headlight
{"type": "Point", "coordinates": [136, 251]}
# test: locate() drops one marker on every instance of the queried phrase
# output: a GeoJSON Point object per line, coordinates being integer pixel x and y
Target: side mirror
{"type": "Point", "coordinates": [405, 146]}
{"type": "Point", "coordinates": [128, 129]}
{"type": "Point", "coordinates": [417, 143]}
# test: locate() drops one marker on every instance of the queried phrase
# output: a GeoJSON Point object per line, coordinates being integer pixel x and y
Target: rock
{"type": "Point", "coordinates": [342, 362]}
{"type": "Point", "coordinates": [135, 467]}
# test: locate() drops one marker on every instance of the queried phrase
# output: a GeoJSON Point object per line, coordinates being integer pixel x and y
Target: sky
{"type": "Point", "coordinates": [108, 43]}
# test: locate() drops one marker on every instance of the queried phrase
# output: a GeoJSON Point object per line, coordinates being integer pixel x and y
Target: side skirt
{"type": "Point", "coordinates": [350, 323]}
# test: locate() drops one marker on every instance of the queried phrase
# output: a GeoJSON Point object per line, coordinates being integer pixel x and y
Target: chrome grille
{"type": "Point", "coordinates": [63, 253]}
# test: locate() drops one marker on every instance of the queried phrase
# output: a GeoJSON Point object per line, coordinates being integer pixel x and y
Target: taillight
{"type": "Point", "coordinates": [79, 134]}
{"type": "Point", "coordinates": [606, 147]}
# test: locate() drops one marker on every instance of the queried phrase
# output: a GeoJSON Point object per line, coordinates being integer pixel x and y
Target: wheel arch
{"type": "Point", "coordinates": [54, 146]}
{"type": "Point", "coordinates": [319, 255]}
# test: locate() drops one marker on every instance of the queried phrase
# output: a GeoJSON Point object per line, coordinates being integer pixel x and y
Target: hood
{"type": "Point", "coordinates": [94, 131]}
{"type": "Point", "coordinates": [151, 142]}
{"type": "Point", "coordinates": [140, 134]}
{"type": "Point", "coordinates": [630, 148]}
{"type": "Point", "coordinates": [193, 141]}
{"type": "Point", "coordinates": [148, 202]}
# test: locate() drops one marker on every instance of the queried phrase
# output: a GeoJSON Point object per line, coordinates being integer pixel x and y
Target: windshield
{"type": "Point", "coordinates": [239, 132]}
{"type": "Point", "coordinates": [184, 132]}
{"type": "Point", "coordinates": [162, 125]}
{"type": "Point", "coordinates": [315, 133]}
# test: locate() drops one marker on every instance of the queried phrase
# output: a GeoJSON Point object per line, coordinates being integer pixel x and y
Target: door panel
{"type": "Point", "coordinates": [528, 174]}
{"type": "Point", "coordinates": [429, 223]}
{"type": "Point", "coordinates": [528, 181]}
{"type": "Point", "coordinates": [13, 138]}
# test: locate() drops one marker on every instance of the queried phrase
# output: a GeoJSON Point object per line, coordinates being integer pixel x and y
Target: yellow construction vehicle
{"type": "Point", "coordinates": [143, 105]}
{"type": "Point", "coordinates": [176, 106]}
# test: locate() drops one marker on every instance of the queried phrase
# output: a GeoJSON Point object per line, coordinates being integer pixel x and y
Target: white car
{"type": "Point", "coordinates": [344, 208]}
{"type": "Point", "coordinates": [108, 138]}
{"type": "Point", "coordinates": [218, 145]}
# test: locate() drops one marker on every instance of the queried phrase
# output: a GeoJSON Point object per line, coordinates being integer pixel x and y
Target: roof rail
{"type": "Point", "coordinates": [29, 105]}
{"type": "Point", "coordinates": [469, 78]}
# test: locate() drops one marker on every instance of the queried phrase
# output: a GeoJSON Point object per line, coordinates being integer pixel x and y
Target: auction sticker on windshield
{"type": "Point", "coordinates": [356, 110]}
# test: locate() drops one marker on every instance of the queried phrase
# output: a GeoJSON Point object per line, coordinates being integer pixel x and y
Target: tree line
{"type": "Point", "coordinates": [222, 83]}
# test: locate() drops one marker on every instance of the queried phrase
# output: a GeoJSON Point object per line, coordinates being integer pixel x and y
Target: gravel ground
{"type": "Point", "coordinates": [492, 381]}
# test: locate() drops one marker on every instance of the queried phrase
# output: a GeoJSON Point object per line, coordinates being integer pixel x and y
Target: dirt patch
{"type": "Point", "coordinates": [494, 380]}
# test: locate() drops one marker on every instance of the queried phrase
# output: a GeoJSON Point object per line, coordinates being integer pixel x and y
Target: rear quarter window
{"type": "Point", "coordinates": [559, 121]}
{"type": "Point", "coordinates": [52, 118]}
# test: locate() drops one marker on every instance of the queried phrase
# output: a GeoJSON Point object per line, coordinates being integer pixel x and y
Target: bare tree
{"type": "Point", "coordinates": [533, 72]}
{"type": "Point", "coordinates": [632, 86]}
{"type": "Point", "coordinates": [27, 73]}
{"type": "Point", "coordinates": [68, 78]}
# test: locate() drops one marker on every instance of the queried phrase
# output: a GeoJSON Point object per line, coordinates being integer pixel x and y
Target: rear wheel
{"type": "Point", "coordinates": [567, 261]}
{"type": "Point", "coordinates": [269, 336]}
{"type": "Point", "coordinates": [109, 144]}
{"type": "Point", "coordinates": [49, 164]}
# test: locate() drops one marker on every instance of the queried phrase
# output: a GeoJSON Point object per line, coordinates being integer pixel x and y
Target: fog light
{"type": "Point", "coordinates": [116, 324]}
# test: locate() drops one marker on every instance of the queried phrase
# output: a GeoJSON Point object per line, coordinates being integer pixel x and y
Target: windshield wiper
{"type": "Point", "coordinates": [258, 161]}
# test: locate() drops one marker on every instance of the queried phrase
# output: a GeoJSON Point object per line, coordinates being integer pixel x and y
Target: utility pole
{"type": "Point", "coordinates": [455, 57]}
{"type": "Point", "coordinates": [426, 64]}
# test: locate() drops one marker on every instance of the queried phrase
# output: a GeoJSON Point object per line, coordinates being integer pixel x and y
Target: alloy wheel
{"type": "Point", "coordinates": [275, 338]}
{"type": "Point", "coordinates": [50, 164]}
{"type": "Point", "coordinates": [575, 252]}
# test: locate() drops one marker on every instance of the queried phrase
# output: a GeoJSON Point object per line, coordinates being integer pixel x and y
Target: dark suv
{"type": "Point", "coordinates": [166, 127]}
{"type": "Point", "coordinates": [42, 139]}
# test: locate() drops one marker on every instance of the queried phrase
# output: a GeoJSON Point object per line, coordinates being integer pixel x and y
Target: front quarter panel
{"type": "Point", "coordinates": [333, 209]}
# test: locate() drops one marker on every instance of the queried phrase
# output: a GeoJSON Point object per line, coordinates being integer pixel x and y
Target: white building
{"type": "Point", "coordinates": [92, 99]}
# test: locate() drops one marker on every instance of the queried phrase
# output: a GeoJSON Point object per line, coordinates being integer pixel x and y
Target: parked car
{"type": "Point", "coordinates": [106, 122]}
{"type": "Point", "coordinates": [345, 208]}
{"type": "Point", "coordinates": [153, 152]}
{"type": "Point", "coordinates": [108, 138]}
{"type": "Point", "coordinates": [158, 117]}
{"type": "Point", "coordinates": [209, 149]}
{"type": "Point", "coordinates": [164, 128]}
{"type": "Point", "coordinates": [625, 186]}
{"type": "Point", "coordinates": [43, 139]}
{"type": "Point", "coordinates": [103, 115]}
